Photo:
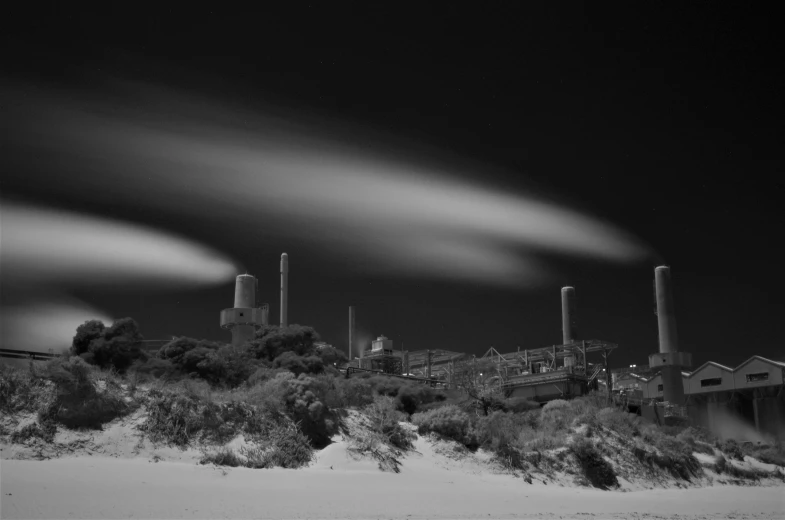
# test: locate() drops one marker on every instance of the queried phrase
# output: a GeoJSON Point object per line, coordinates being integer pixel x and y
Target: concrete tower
{"type": "Point", "coordinates": [245, 317]}
{"type": "Point", "coordinates": [351, 331]}
{"type": "Point", "coordinates": [669, 359]}
{"type": "Point", "coordinates": [568, 328]}
{"type": "Point", "coordinates": [284, 290]}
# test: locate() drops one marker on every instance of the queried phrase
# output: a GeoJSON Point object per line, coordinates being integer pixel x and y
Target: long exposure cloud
{"type": "Point", "coordinates": [46, 325]}
{"type": "Point", "coordinates": [184, 154]}
{"type": "Point", "coordinates": [45, 246]}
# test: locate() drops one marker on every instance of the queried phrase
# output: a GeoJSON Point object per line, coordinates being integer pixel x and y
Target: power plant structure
{"type": "Point", "coordinates": [669, 359]}
{"type": "Point", "coordinates": [540, 374]}
{"type": "Point", "coordinates": [351, 332]}
{"type": "Point", "coordinates": [245, 317]}
{"type": "Point", "coordinates": [664, 391]}
{"type": "Point", "coordinates": [284, 290]}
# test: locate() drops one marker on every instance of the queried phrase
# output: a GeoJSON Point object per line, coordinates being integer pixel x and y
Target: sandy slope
{"type": "Point", "coordinates": [431, 484]}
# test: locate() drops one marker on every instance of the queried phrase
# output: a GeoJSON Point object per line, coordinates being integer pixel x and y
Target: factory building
{"type": "Point", "coordinates": [753, 392]}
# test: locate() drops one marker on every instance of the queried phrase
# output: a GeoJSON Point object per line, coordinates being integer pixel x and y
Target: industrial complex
{"type": "Point", "coordinates": [664, 391]}
{"type": "Point", "coordinates": [667, 390]}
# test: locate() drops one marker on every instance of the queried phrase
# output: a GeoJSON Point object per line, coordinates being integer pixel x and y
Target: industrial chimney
{"type": "Point", "coordinates": [243, 319]}
{"type": "Point", "coordinates": [568, 315]}
{"type": "Point", "coordinates": [351, 331]}
{"type": "Point", "coordinates": [568, 327]}
{"type": "Point", "coordinates": [669, 359]}
{"type": "Point", "coordinates": [284, 290]}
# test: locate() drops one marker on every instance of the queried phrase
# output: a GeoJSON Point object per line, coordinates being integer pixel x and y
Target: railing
{"type": "Point", "coordinates": [596, 372]}
{"type": "Point", "coordinates": [350, 370]}
{"type": "Point", "coordinates": [26, 354]}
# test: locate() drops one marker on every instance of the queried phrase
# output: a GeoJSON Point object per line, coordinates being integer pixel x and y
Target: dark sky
{"type": "Point", "coordinates": [663, 120]}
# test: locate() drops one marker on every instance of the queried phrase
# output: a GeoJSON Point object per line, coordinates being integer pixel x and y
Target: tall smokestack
{"type": "Point", "coordinates": [669, 358]}
{"type": "Point", "coordinates": [568, 315]}
{"type": "Point", "coordinates": [351, 331]}
{"type": "Point", "coordinates": [284, 290]}
{"type": "Point", "coordinates": [666, 317]}
{"type": "Point", "coordinates": [568, 328]}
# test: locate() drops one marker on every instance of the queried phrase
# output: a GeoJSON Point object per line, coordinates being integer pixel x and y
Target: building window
{"type": "Point", "coordinates": [754, 378]}
{"type": "Point", "coordinates": [659, 388]}
{"type": "Point", "coordinates": [714, 381]}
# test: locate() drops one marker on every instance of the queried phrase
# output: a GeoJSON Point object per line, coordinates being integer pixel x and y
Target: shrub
{"type": "Point", "coordinates": [116, 346]}
{"type": "Point", "coordinates": [519, 405]}
{"type": "Point", "coordinates": [272, 341]}
{"type": "Point", "coordinates": [299, 364]}
{"type": "Point", "coordinates": [412, 396]}
{"type": "Point", "coordinates": [223, 457]}
{"type": "Point", "coordinates": [731, 448]}
{"type": "Point", "coordinates": [307, 410]}
{"type": "Point", "coordinates": [157, 368]}
{"type": "Point", "coordinates": [720, 464]}
{"type": "Point", "coordinates": [595, 468]}
{"type": "Point", "coordinates": [385, 419]}
{"type": "Point", "coordinates": [623, 423]}
{"type": "Point", "coordinates": [287, 447]}
{"type": "Point", "coordinates": [171, 418]}
{"type": "Point", "coordinates": [45, 431]}
{"type": "Point", "coordinates": [556, 404]}
{"type": "Point", "coordinates": [355, 392]}
{"type": "Point", "coordinates": [769, 455]}
{"type": "Point", "coordinates": [448, 421]}
{"type": "Point", "coordinates": [78, 404]}
{"type": "Point", "coordinates": [228, 366]}
{"type": "Point", "coordinates": [23, 390]}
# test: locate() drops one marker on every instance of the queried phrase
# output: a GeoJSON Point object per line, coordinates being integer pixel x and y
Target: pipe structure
{"type": "Point", "coordinates": [351, 331]}
{"type": "Point", "coordinates": [243, 319]}
{"type": "Point", "coordinates": [284, 290]}
{"type": "Point", "coordinates": [669, 359]}
{"type": "Point", "coordinates": [568, 315]}
{"type": "Point", "coordinates": [666, 317]}
{"type": "Point", "coordinates": [568, 312]}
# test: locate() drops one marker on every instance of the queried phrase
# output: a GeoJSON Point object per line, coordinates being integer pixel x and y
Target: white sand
{"type": "Point", "coordinates": [429, 486]}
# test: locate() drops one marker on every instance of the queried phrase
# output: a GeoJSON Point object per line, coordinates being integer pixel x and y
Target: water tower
{"type": "Point", "coordinates": [244, 318]}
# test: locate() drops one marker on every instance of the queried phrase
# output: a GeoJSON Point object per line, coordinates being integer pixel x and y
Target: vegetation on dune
{"type": "Point", "coordinates": [286, 398]}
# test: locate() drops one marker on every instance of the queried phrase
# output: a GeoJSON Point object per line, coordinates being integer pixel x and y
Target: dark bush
{"type": "Point", "coordinates": [307, 410]}
{"type": "Point", "coordinates": [228, 366]}
{"type": "Point", "coordinates": [731, 448]}
{"type": "Point", "coordinates": [331, 356]}
{"type": "Point", "coordinates": [299, 364]}
{"type": "Point", "coordinates": [176, 349]}
{"type": "Point", "coordinates": [595, 468]}
{"type": "Point", "coordinates": [78, 404]}
{"type": "Point", "coordinates": [412, 396]}
{"type": "Point", "coordinates": [116, 346]}
{"type": "Point", "coordinates": [272, 341]}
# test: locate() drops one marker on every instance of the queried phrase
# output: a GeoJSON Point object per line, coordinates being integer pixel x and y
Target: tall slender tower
{"type": "Point", "coordinates": [284, 290]}
{"type": "Point", "coordinates": [351, 331]}
{"type": "Point", "coordinates": [568, 328]}
{"type": "Point", "coordinates": [243, 319]}
{"type": "Point", "coordinates": [669, 359]}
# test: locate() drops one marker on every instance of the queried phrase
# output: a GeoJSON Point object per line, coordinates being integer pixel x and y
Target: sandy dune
{"type": "Point", "coordinates": [338, 486]}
